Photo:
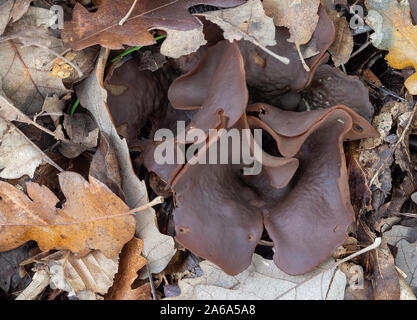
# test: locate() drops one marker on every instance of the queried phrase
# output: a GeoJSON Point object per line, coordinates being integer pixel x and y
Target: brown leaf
{"type": "Point", "coordinates": [131, 261]}
{"type": "Point", "coordinates": [342, 46]}
{"type": "Point", "coordinates": [105, 167]}
{"type": "Point", "coordinates": [380, 263]}
{"type": "Point", "coordinates": [102, 27]}
{"type": "Point", "coordinates": [84, 222]}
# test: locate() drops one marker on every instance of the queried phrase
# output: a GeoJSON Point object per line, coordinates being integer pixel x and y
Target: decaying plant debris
{"type": "Point", "coordinates": [86, 211]}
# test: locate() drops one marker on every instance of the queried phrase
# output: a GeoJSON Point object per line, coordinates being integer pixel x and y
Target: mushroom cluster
{"type": "Point", "coordinates": [301, 197]}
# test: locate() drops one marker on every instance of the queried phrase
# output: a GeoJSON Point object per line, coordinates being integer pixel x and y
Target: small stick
{"type": "Point", "coordinates": [153, 291]}
{"type": "Point", "coordinates": [121, 22]}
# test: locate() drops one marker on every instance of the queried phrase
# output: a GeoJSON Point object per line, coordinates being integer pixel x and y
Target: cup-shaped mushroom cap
{"type": "Point", "coordinates": [331, 87]}
{"type": "Point", "coordinates": [216, 87]}
{"type": "Point", "coordinates": [291, 129]}
{"type": "Point", "coordinates": [135, 96]}
{"type": "Point", "coordinates": [310, 219]}
{"type": "Point", "coordinates": [269, 77]}
{"type": "Point", "coordinates": [220, 212]}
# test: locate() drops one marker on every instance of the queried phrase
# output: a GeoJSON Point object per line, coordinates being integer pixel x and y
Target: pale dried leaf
{"type": "Point", "coordinates": [406, 260]}
{"type": "Point", "coordinates": [158, 248]}
{"type": "Point", "coordinates": [179, 43]}
{"type": "Point", "coordinates": [5, 10]}
{"type": "Point", "coordinates": [300, 17]}
{"type": "Point", "coordinates": [94, 272]}
{"type": "Point", "coordinates": [18, 155]}
{"type": "Point", "coordinates": [247, 22]}
{"type": "Point", "coordinates": [262, 280]}
{"type": "Point", "coordinates": [398, 233]}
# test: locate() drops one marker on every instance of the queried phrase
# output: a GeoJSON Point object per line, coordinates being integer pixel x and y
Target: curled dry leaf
{"type": "Point", "coordinates": [104, 167]}
{"type": "Point", "coordinates": [158, 248]}
{"type": "Point", "coordinates": [94, 272]}
{"type": "Point", "coordinates": [131, 262]}
{"type": "Point", "coordinates": [84, 223]}
{"type": "Point", "coordinates": [102, 27]}
{"type": "Point", "coordinates": [394, 31]}
{"type": "Point", "coordinates": [261, 280]}
{"type": "Point", "coordinates": [342, 46]}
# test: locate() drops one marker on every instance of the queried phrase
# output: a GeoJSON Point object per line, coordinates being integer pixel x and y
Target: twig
{"type": "Point", "coordinates": [153, 291]}
{"type": "Point", "coordinates": [39, 282]}
{"type": "Point", "coordinates": [410, 215]}
{"type": "Point", "coordinates": [121, 22]}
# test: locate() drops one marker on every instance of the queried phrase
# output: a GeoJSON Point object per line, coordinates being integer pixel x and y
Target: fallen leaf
{"type": "Point", "coordinates": [105, 167]}
{"type": "Point", "coordinates": [300, 17]}
{"type": "Point", "coordinates": [25, 82]}
{"type": "Point", "coordinates": [342, 46]}
{"type": "Point", "coordinates": [84, 223]}
{"type": "Point", "coordinates": [394, 31]}
{"type": "Point", "coordinates": [131, 262]}
{"type": "Point", "coordinates": [406, 260]}
{"type": "Point", "coordinates": [83, 132]}
{"type": "Point", "coordinates": [380, 263]}
{"type": "Point", "coordinates": [102, 27]}
{"type": "Point", "coordinates": [5, 10]}
{"type": "Point", "coordinates": [398, 233]}
{"type": "Point", "coordinates": [18, 155]}
{"type": "Point", "coordinates": [158, 248]}
{"type": "Point", "coordinates": [9, 268]}
{"type": "Point", "coordinates": [262, 280]}
{"type": "Point", "coordinates": [94, 272]}
{"type": "Point", "coordinates": [247, 22]}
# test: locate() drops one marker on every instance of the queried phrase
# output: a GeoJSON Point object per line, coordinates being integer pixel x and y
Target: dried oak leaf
{"type": "Point", "coordinates": [84, 223]}
{"type": "Point", "coordinates": [394, 31]}
{"type": "Point", "coordinates": [93, 273]}
{"type": "Point", "coordinates": [105, 167]}
{"type": "Point", "coordinates": [131, 261]}
{"type": "Point", "coordinates": [300, 17]}
{"type": "Point", "coordinates": [102, 27]}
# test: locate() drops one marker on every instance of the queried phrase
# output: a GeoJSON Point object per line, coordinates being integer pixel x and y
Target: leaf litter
{"type": "Point", "coordinates": [79, 108]}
